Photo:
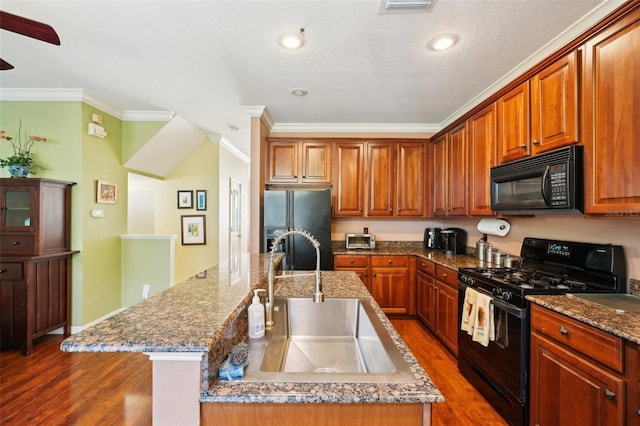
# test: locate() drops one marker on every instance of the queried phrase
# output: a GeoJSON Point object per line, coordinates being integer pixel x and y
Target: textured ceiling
{"type": "Point", "coordinates": [206, 60]}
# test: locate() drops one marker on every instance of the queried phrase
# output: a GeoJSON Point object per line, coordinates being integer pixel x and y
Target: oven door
{"type": "Point", "coordinates": [498, 370]}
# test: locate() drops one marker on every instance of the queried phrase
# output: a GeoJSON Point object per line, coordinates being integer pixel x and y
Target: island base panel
{"type": "Point", "coordinates": [292, 414]}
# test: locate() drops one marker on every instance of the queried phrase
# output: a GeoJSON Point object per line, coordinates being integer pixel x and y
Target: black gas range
{"type": "Point", "coordinates": [500, 370]}
{"type": "Point", "coordinates": [553, 267]}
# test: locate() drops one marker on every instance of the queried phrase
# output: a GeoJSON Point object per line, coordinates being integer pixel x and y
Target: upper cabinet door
{"type": "Point", "coordinates": [410, 181]}
{"type": "Point", "coordinates": [458, 171]}
{"type": "Point", "coordinates": [283, 162]}
{"type": "Point", "coordinates": [482, 156]}
{"type": "Point", "coordinates": [513, 124]}
{"type": "Point", "coordinates": [348, 180]}
{"type": "Point", "coordinates": [381, 177]}
{"type": "Point", "coordinates": [611, 125]}
{"type": "Point", "coordinates": [554, 105]}
{"type": "Point", "coordinates": [316, 162]}
{"type": "Point", "coordinates": [440, 176]}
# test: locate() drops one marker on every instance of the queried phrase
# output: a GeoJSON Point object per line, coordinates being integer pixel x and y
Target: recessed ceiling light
{"type": "Point", "coordinates": [291, 40]}
{"type": "Point", "coordinates": [443, 42]}
{"type": "Point", "coordinates": [298, 92]}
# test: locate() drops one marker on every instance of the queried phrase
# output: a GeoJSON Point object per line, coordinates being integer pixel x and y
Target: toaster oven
{"type": "Point", "coordinates": [360, 241]}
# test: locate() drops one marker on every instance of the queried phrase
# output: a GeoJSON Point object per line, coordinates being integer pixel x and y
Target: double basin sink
{"type": "Point", "coordinates": [340, 340]}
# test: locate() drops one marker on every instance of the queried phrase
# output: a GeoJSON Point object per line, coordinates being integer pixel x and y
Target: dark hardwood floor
{"type": "Point", "coordinates": [52, 388]}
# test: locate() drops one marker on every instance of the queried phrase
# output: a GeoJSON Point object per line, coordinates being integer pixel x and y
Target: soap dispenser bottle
{"type": "Point", "coordinates": [256, 316]}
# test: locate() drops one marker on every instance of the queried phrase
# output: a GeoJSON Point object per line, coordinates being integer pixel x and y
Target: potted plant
{"type": "Point", "coordinates": [23, 161]}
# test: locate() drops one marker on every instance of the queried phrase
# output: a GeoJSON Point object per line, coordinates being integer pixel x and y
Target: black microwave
{"type": "Point", "coordinates": [546, 183]}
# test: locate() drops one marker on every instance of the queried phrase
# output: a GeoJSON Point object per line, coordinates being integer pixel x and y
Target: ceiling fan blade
{"type": "Point", "coordinates": [4, 65]}
{"type": "Point", "coordinates": [29, 28]}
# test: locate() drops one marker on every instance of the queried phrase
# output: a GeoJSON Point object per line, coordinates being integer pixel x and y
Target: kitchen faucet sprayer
{"type": "Point", "coordinates": [318, 296]}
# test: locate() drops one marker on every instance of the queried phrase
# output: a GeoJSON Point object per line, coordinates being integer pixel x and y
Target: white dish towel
{"type": "Point", "coordinates": [468, 312]}
{"type": "Point", "coordinates": [483, 326]}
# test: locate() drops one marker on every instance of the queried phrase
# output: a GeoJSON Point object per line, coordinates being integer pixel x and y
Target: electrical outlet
{"type": "Point", "coordinates": [145, 291]}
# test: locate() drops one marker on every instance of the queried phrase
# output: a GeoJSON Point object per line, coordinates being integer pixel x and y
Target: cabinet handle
{"type": "Point", "coordinates": [563, 330]}
{"type": "Point", "coordinates": [638, 411]}
{"type": "Point", "coordinates": [536, 142]}
{"type": "Point", "coordinates": [15, 243]}
{"type": "Point", "coordinates": [2, 270]}
{"type": "Point", "coordinates": [523, 146]}
{"type": "Point", "coordinates": [609, 394]}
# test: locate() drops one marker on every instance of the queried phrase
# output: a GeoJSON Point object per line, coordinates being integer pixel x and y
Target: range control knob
{"type": "Point", "coordinates": [506, 295]}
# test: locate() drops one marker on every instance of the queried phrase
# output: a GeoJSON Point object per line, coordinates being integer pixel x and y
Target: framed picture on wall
{"type": "Point", "coordinates": [193, 230]}
{"type": "Point", "coordinates": [185, 199]}
{"type": "Point", "coordinates": [106, 192]}
{"type": "Point", "coordinates": [201, 199]}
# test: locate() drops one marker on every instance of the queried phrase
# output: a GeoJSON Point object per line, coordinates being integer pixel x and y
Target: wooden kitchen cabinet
{"type": "Point", "coordinates": [426, 288]}
{"type": "Point", "coordinates": [35, 270]}
{"type": "Point", "coordinates": [610, 134]}
{"type": "Point", "coordinates": [632, 377]}
{"type": "Point", "coordinates": [354, 263]}
{"type": "Point", "coordinates": [513, 124]}
{"type": "Point", "coordinates": [381, 172]}
{"type": "Point", "coordinates": [392, 283]}
{"type": "Point", "coordinates": [576, 372]}
{"type": "Point", "coordinates": [482, 156]}
{"type": "Point", "coordinates": [450, 173]}
{"type": "Point", "coordinates": [554, 105]}
{"type": "Point", "coordinates": [446, 321]}
{"type": "Point", "coordinates": [296, 162]}
{"type": "Point", "coordinates": [396, 178]}
{"type": "Point", "coordinates": [348, 178]}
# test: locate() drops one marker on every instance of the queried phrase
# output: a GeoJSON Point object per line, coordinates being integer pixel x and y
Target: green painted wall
{"type": "Point", "coordinates": [101, 160]}
{"type": "Point", "coordinates": [72, 154]}
{"type": "Point", "coordinates": [135, 134]}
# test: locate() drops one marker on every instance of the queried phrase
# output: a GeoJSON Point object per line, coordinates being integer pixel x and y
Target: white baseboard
{"type": "Point", "coordinates": [78, 328]}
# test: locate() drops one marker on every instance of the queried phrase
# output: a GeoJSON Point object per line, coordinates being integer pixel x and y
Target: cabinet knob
{"type": "Point", "coordinates": [374, 275]}
{"type": "Point", "coordinates": [390, 210]}
{"type": "Point", "coordinates": [609, 394]}
{"type": "Point", "coordinates": [563, 330]}
{"type": "Point", "coordinates": [351, 260]}
{"type": "Point", "coordinates": [15, 243]}
{"type": "Point", "coordinates": [445, 275]}
{"type": "Point", "coordinates": [638, 411]}
{"type": "Point", "coordinates": [523, 146]}
{"type": "Point", "coordinates": [365, 274]}
{"type": "Point", "coordinates": [2, 270]}
{"type": "Point", "coordinates": [390, 260]}
{"type": "Point", "coordinates": [536, 142]}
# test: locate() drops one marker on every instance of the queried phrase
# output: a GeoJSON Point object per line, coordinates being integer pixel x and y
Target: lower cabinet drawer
{"type": "Point", "coordinates": [382, 261]}
{"type": "Point", "coordinates": [596, 344]}
{"type": "Point", "coordinates": [10, 271]}
{"type": "Point", "coordinates": [350, 261]}
{"type": "Point", "coordinates": [18, 244]}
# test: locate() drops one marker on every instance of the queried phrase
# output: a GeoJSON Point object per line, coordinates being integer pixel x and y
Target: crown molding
{"type": "Point", "coordinates": [355, 128]}
{"type": "Point", "coordinates": [220, 140]}
{"type": "Point", "coordinates": [260, 111]}
{"type": "Point", "coordinates": [163, 116]}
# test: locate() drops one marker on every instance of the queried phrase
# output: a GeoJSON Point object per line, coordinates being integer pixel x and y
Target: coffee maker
{"type": "Point", "coordinates": [454, 240]}
{"type": "Point", "coordinates": [432, 238]}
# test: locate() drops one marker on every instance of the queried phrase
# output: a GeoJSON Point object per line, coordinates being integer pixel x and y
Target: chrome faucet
{"type": "Point", "coordinates": [318, 296]}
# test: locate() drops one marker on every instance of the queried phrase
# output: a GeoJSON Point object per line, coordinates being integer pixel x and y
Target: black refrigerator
{"type": "Point", "coordinates": [308, 211]}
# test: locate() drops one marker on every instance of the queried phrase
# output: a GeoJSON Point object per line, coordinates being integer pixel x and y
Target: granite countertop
{"type": "Point", "coordinates": [194, 315]}
{"type": "Point", "coordinates": [182, 318]}
{"type": "Point", "coordinates": [334, 284]}
{"type": "Point", "coordinates": [412, 248]}
{"type": "Point", "coordinates": [626, 325]}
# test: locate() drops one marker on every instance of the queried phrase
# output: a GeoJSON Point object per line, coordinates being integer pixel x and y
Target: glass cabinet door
{"type": "Point", "coordinates": [17, 208]}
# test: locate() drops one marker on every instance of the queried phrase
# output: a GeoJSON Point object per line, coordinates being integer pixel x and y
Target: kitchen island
{"type": "Point", "coordinates": [188, 330]}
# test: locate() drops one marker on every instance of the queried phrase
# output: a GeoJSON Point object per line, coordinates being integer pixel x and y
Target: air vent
{"type": "Point", "coordinates": [405, 6]}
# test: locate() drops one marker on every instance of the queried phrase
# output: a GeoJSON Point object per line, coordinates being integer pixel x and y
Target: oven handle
{"type": "Point", "coordinates": [518, 312]}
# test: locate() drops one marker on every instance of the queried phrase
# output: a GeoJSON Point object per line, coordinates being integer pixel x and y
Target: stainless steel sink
{"type": "Point", "coordinates": [339, 340]}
